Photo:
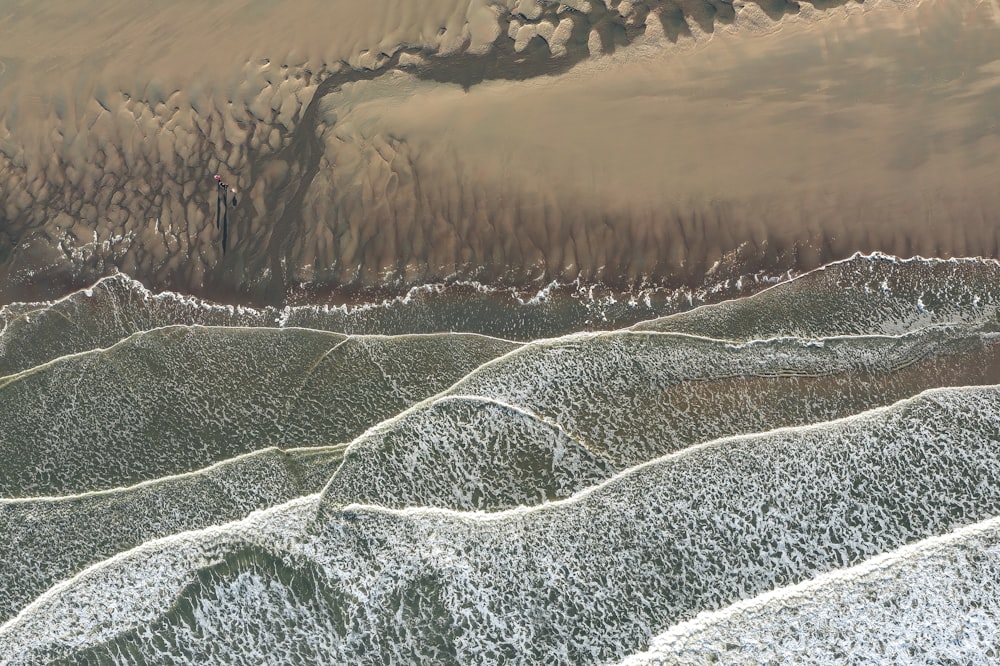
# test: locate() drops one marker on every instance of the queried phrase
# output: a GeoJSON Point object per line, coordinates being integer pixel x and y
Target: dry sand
{"type": "Point", "coordinates": [398, 142]}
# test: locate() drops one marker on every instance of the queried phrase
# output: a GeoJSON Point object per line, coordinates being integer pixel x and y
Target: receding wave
{"type": "Point", "coordinates": [864, 295]}
{"type": "Point", "coordinates": [113, 308]}
{"type": "Point", "coordinates": [859, 296]}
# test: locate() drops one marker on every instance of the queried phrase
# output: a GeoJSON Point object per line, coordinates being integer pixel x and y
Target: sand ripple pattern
{"type": "Point", "coordinates": [408, 144]}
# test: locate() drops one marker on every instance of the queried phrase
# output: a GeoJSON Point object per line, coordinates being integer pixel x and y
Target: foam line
{"type": "Point", "coordinates": [418, 542]}
{"type": "Point", "coordinates": [663, 646]}
{"type": "Point", "coordinates": [694, 449]}
{"type": "Point", "coordinates": [150, 483]}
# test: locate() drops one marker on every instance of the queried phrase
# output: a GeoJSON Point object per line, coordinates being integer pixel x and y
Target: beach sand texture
{"type": "Point", "coordinates": [396, 142]}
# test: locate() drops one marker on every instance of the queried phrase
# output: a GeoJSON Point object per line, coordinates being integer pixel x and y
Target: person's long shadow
{"type": "Point", "coordinates": [222, 211]}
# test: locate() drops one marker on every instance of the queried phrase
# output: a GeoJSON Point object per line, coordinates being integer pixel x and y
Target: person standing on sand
{"type": "Point", "coordinates": [221, 201]}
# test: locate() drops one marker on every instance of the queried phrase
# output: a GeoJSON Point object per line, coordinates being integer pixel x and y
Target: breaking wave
{"type": "Point", "coordinates": [217, 488]}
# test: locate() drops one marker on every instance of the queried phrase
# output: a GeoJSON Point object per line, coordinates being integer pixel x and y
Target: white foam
{"type": "Point", "coordinates": [583, 579]}
{"type": "Point", "coordinates": [865, 294]}
{"type": "Point", "coordinates": [158, 404]}
{"type": "Point", "coordinates": [467, 453]}
{"type": "Point", "coordinates": [49, 539]}
{"type": "Point", "coordinates": [927, 600]}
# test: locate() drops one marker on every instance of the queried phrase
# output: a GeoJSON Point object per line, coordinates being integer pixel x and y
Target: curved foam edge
{"type": "Point", "coordinates": [151, 483]}
{"type": "Point", "coordinates": [672, 646]}
{"type": "Point", "coordinates": [261, 523]}
{"type": "Point", "coordinates": [269, 525]}
{"type": "Point", "coordinates": [784, 289]}
{"type": "Point", "coordinates": [288, 376]}
{"type": "Point", "coordinates": [721, 442]}
{"type": "Point", "coordinates": [56, 537]}
{"type": "Point", "coordinates": [568, 463]}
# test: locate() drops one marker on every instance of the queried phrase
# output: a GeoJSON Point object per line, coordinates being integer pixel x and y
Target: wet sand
{"type": "Point", "coordinates": [386, 144]}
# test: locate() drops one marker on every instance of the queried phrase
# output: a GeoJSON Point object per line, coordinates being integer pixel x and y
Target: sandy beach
{"type": "Point", "coordinates": [386, 144]}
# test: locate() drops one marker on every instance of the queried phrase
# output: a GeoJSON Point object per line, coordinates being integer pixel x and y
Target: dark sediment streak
{"type": "Point", "coordinates": [355, 203]}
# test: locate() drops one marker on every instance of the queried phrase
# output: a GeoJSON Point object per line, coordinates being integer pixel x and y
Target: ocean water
{"type": "Point", "coordinates": [175, 399]}
{"type": "Point", "coordinates": [813, 469]}
{"type": "Point", "coordinates": [932, 602]}
{"type": "Point", "coordinates": [49, 539]}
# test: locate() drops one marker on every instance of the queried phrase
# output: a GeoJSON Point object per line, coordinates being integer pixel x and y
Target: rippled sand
{"type": "Point", "coordinates": [387, 144]}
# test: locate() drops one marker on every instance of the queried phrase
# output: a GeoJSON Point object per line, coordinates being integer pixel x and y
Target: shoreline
{"type": "Point", "coordinates": [651, 165]}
